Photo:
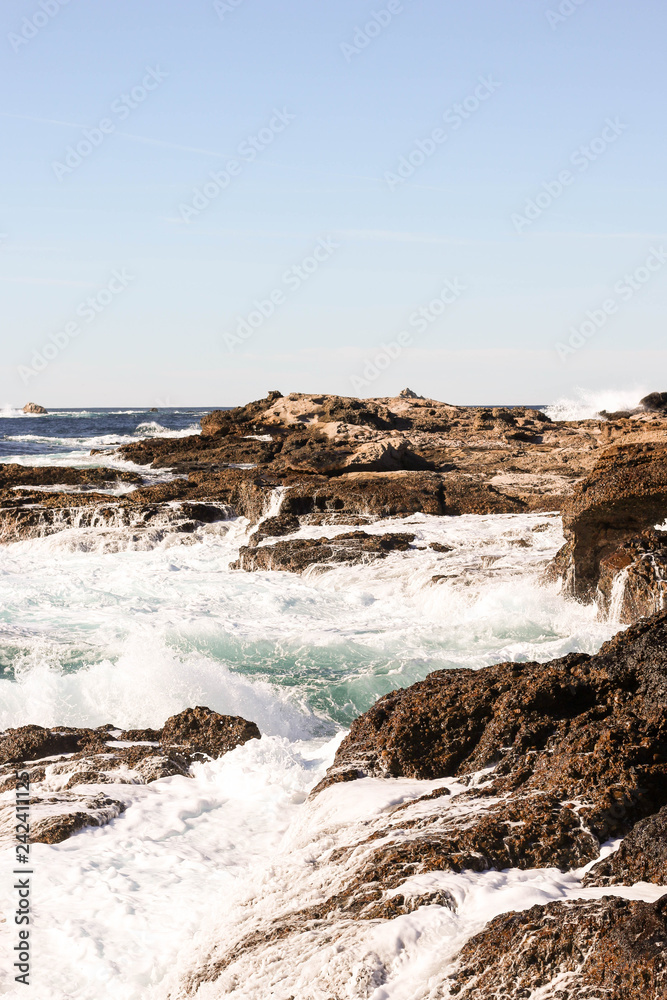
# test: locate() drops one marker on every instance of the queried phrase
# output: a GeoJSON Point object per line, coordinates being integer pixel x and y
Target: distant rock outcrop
{"type": "Point", "coordinates": [655, 401]}
{"type": "Point", "coordinates": [34, 408]}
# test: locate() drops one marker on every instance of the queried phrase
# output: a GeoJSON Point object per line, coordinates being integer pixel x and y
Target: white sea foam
{"type": "Point", "coordinates": [588, 403]}
{"type": "Point", "coordinates": [401, 959]}
{"type": "Point", "coordinates": [93, 634]}
{"type": "Point", "coordinates": [152, 429]}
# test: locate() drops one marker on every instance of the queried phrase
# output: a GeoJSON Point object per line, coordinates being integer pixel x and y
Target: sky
{"type": "Point", "coordinates": [202, 201]}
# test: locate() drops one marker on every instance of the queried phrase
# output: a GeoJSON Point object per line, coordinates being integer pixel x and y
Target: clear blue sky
{"type": "Point", "coordinates": [218, 77]}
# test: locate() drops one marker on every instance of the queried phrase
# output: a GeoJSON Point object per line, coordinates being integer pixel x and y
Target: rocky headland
{"type": "Point", "coordinates": [303, 460]}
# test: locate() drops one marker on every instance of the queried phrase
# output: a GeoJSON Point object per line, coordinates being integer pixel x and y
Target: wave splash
{"type": "Point", "coordinates": [587, 404]}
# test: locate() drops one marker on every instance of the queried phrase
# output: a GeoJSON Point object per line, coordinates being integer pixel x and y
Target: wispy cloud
{"type": "Point", "coordinates": [373, 235]}
{"type": "Point", "coordinates": [597, 236]}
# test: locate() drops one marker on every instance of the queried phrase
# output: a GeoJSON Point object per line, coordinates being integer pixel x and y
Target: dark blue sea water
{"type": "Point", "coordinates": [67, 436]}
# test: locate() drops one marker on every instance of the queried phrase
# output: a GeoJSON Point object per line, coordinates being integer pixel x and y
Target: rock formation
{"type": "Point", "coordinates": [537, 765]}
{"type": "Point", "coordinates": [609, 524]}
{"type": "Point", "coordinates": [340, 460]}
{"type": "Point", "coordinates": [298, 554]}
{"type": "Point", "coordinates": [611, 948]}
{"type": "Point", "coordinates": [34, 408]}
{"type": "Point", "coordinates": [66, 766]}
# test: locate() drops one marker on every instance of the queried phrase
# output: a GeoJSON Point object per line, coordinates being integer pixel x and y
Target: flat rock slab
{"type": "Point", "coordinates": [296, 555]}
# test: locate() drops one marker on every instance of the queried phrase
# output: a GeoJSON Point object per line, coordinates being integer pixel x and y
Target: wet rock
{"type": "Point", "coordinates": [53, 823]}
{"type": "Point", "coordinates": [29, 743]}
{"type": "Point", "coordinates": [375, 495]}
{"type": "Point", "coordinates": [13, 475]}
{"type": "Point", "coordinates": [632, 581]}
{"type": "Point", "coordinates": [200, 730]}
{"type": "Point", "coordinates": [611, 948]}
{"type": "Point", "coordinates": [655, 401]}
{"type": "Point", "coordinates": [34, 408]}
{"type": "Point", "coordinates": [64, 765]}
{"type": "Point", "coordinates": [543, 762]}
{"type": "Point", "coordinates": [152, 512]}
{"type": "Point", "coordinates": [587, 732]}
{"type": "Point", "coordinates": [642, 856]}
{"type": "Point", "coordinates": [625, 494]}
{"type": "Point", "coordinates": [295, 555]}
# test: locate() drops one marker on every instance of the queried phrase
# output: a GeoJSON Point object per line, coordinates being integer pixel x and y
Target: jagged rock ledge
{"type": "Point", "coordinates": [66, 767]}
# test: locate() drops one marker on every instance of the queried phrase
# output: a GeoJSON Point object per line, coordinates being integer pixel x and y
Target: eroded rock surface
{"type": "Point", "coordinates": [609, 524]}
{"type": "Point", "coordinates": [339, 460]}
{"type": "Point", "coordinates": [589, 732]}
{"type": "Point", "coordinates": [633, 579]}
{"type": "Point", "coordinates": [642, 856]}
{"type": "Point", "coordinates": [535, 766]}
{"type": "Point", "coordinates": [584, 950]}
{"type": "Point", "coordinates": [495, 460]}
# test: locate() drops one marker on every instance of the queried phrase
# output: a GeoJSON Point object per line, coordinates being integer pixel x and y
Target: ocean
{"type": "Point", "coordinates": [109, 626]}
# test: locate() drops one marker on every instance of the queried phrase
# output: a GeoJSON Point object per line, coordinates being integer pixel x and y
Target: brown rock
{"type": "Point", "coordinates": [590, 729]}
{"type": "Point", "coordinates": [642, 856]}
{"type": "Point", "coordinates": [611, 948]}
{"type": "Point", "coordinates": [74, 758]}
{"type": "Point", "coordinates": [295, 555]}
{"type": "Point", "coordinates": [625, 494]}
{"type": "Point", "coordinates": [632, 582]}
{"type": "Point", "coordinates": [201, 730]}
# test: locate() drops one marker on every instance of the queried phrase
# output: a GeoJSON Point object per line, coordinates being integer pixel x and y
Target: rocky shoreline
{"type": "Point", "coordinates": [528, 765]}
{"type": "Point", "coordinates": [538, 766]}
{"type": "Point", "coordinates": [302, 460]}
